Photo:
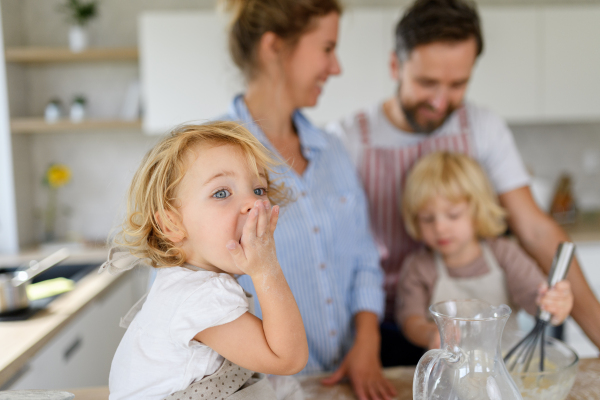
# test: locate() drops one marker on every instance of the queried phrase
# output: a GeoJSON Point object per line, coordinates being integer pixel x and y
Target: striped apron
{"type": "Point", "coordinates": [383, 172]}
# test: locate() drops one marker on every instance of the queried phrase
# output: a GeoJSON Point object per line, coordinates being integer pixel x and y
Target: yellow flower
{"type": "Point", "coordinates": [58, 175]}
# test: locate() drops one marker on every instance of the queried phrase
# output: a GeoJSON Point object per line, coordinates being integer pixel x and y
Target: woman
{"type": "Point", "coordinates": [286, 51]}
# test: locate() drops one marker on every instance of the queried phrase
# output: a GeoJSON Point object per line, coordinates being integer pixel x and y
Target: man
{"type": "Point", "coordinates": [437, 44]}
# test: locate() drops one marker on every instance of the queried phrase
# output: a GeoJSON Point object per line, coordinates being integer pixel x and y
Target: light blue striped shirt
{"type": "Point", "coordinates": [324, 243]}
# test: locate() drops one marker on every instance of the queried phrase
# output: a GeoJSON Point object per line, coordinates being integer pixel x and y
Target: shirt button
{"type": "Point", "coordinates": [342, 199]}
{"type": "Point", "coordinates": [316, 229]}
{"type": "Point", "coordinates": [329, 300]}
{"type": "Point", "coordinates": [322, 266]}
{"type": "Point", "coordinates": [332, 332]}
{"type": "Point", "coordinates": [303, 193]}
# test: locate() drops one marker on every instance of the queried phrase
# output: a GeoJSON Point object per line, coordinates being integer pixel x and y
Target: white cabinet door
{"type": "Point", "coordinates": [80, 355]}
{"type": "Point", "coordinates": [50, 367]}
{"type": "Point", "coordinates": [588, 255]}
{"type": "Point", "coordinates": [185, 68]}
{"type": "Point", "coordinates": [571, 62]}
{"type": "Point", "coordinates": [506, 77]}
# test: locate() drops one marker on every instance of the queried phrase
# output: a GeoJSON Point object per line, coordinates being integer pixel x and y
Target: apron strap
{"type": "Point", "coordinates": [126, 320]}
{"type": "Point", "coordinates": [440, 266]}
{"type": "Point", "coordinates": [193, 267]}
{"type": "Point", "coordinates": [363, 124]}
{"type": "Point", "coordinates": [487, 253]}
{"type": "Point", "coordinates": [489, 257]}
{"type": "Point", "coordinates": [464, 120]}
{"type": "Point", "coordinates": [249, 297]}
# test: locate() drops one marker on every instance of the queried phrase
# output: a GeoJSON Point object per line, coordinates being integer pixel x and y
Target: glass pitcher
{"type": "Point", "coordinates": [469, 364]}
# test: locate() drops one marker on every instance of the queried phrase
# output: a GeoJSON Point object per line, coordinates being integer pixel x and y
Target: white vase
{"type": "Point", "coordinates": [77, 112]}
{"type": "Point", "coordinates": [78, 38]}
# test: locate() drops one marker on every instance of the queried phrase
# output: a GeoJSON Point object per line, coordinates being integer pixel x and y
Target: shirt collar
{"type": "Point", "coordinates": [310, 136]}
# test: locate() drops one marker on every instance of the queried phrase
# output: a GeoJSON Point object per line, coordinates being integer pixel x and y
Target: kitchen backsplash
{"type": "Point", "coordinates": [552, 149]}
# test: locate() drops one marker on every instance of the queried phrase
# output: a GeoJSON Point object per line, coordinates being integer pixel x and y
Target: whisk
{"type": "Point", "coordinates": [522, 353]}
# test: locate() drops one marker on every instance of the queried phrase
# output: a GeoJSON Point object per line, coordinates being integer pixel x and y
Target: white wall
{"type": "Point", "coordinates": [8, 220]}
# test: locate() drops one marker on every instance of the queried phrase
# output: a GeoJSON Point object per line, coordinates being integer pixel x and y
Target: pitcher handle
{"type": "Point", "coordinates": [424, 368]}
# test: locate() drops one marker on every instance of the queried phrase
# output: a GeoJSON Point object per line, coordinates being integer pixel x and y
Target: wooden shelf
{"type": "Point", "coordinates": [39, 125]}
{"type": "Point", "coordinates": [60, 54]}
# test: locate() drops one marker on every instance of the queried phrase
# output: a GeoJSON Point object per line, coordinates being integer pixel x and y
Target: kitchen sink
{"type": "Point", "coordinates": [70, 271]}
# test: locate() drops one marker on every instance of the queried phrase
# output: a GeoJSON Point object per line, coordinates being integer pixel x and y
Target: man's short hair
{"type": "Point", "coordinates": [428, 21]}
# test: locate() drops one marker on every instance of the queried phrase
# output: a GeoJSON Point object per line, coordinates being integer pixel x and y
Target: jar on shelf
{"type": "Point", "coordinates": [53, 111]}
{"type": "Point", "coordinates": [78, 109]}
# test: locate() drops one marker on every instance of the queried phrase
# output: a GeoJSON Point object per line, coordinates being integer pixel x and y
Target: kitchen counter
{"type": "Point", "coordinates": [586, 387]}
{"type": "Point", "coordinates": [585, 229]}
{"type": "Point", "coordinates": [23, 339]}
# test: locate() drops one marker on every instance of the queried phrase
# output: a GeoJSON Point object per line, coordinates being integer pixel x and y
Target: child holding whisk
{"type": "Point", "coordinates": [448, 204]}
{"type": "Point", "coordinates": [200, 212]}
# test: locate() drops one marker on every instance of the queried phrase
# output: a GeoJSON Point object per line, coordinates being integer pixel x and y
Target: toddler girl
{"type": "Point", "coordinates": [449, 205]}
{"type": "Point", "coordinates": [200, 212]}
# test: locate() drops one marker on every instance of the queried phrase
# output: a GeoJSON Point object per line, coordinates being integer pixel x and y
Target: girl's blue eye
{"type": "Point", "coordinates": [260, 192]}
{"type": "Point", "coordinates": [222, 194]}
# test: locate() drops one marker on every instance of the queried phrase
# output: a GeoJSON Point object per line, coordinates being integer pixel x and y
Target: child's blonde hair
{"type": "Point", "coordinates": [456, 177]}
{"type": "Point", "coordinates": [153, 189]}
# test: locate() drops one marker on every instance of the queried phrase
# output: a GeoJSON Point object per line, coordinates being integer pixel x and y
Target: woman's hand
{"type": "Point", "coordinates": [362, 365]}
{"type": "Point", "coordinates": [363, 368]}
{"type": "Point", "coordinates": [558, 301]}
{"type": "Point", "coordinates": [256, 252]}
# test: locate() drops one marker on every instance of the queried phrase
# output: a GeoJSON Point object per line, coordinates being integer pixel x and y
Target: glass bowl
{"type": "Point", "coordinates": [560, 370]}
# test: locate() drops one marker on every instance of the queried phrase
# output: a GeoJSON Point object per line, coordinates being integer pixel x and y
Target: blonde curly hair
{"type": "Point", "coordinates": [456, 177]}
{"type": "Point", "coordinates": [153, 189]}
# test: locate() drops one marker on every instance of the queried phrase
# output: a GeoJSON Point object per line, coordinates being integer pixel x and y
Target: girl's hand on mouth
{"type": "Point", "coordinates": [255, 252]}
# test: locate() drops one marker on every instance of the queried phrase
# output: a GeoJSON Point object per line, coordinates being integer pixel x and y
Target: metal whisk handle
{"type": "Point", "coordinates": [558, 271]}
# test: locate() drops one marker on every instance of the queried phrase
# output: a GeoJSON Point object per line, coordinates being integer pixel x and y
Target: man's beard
{"type": "Point", "coordinates": [410, 113]}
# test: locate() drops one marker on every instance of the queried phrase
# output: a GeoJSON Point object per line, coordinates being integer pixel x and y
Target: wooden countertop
{"type": "Point", "coordinates": [586, 387]}
{"type": "Point", "coordinates": [22, 339]}
{"type": "Point", "coordinates": [585, 229]}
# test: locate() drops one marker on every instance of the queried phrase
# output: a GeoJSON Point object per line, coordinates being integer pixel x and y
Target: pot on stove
{"type": "Point", "coordinates": [13, 285]}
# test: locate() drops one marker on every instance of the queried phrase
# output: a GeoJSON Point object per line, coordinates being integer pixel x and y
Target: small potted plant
{"type": "Point", "coordinates": [79, 14]}
{"type": "Point", "coordinates": [78, 109]}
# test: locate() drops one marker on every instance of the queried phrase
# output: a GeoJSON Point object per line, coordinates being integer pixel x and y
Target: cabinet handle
{"type": "Point", "coordinates": [72, 349]}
